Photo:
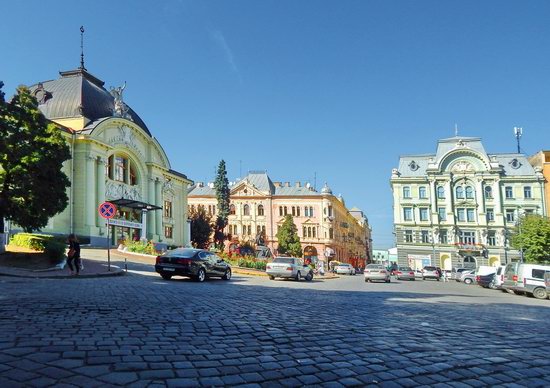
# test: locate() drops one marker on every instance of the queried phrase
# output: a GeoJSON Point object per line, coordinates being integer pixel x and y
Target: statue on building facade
{"type": "Point", "coordinates": [120, 108]}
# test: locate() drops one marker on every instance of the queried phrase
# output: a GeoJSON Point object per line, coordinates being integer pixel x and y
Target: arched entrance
{"type": "Point", "coordinates": [469, 262]}
{"type": "Point", "coordinates": [446, 262]}
{"type": "Point", "coordinates": [310, 254]}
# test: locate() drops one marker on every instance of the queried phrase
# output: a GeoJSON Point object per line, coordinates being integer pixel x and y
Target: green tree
{"type": "Point", "coordinates": [287, 236]}
{"type": "Point", "coordinates": [32, 152]}
{"type": "Point", "coordinates": [201, 227]}
{"type": "Point", "coordinates": [221, 185]}
{"type": "Point", "coordinates": [532, 235]}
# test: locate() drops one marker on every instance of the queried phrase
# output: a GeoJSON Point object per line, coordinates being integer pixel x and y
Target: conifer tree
{"type": "Point", "coordinates": [221, 185]}
{"type": "Point", "coordinates": [287, 236]}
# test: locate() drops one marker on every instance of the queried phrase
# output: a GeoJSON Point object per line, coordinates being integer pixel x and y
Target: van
{"type": "Point", "coordinates": [526, 278]}
{"type": "Point", "coordinates": [547, 282]}
{"type": "Point", "coordinates": [499, 277]}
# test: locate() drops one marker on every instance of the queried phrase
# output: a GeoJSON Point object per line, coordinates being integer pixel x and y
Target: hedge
{"type": "Point", "coordinates": [53, 247]}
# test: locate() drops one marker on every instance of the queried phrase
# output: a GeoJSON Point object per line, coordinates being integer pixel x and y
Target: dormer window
{"type": "Point", "coordinates": [413, 165]}
{"type": "Point", "coordinates": [515, 164]}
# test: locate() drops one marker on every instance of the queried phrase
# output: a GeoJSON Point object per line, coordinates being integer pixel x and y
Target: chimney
{"type": "Point", "coordinates": [298, 184]}
{"type": "Point", "coordinates": [287, 184]}
{"type": "Point", "coordinates": [277, 184]}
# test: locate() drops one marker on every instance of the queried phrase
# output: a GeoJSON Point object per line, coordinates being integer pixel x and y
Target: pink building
{"type": "Point", "coordinates": [327, 229]}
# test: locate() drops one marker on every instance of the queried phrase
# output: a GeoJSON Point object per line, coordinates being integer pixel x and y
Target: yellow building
{"type": "Point", "coordinates": [114, 158]}
{"type": "Point", "coordinates": [541, 162]}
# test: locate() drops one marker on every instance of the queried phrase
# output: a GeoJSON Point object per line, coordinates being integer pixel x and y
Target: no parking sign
{"type": "Point", "coordinates": [107, 210]}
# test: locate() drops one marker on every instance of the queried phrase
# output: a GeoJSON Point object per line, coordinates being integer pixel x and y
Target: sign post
{"type": "Point", "coordinates": [107, 210]}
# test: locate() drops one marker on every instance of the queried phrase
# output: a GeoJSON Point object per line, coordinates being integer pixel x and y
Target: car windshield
{"type": "Point", "coordinates": [405, 269]}
{"type": "Point", "coordinates": [185, 253]}
{"type": "Point", "coordinates": [285, 260]}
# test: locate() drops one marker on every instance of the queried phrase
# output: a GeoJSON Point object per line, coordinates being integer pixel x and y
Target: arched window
{"type": "Point", "coordinates": [298, 211]}
{"type": "Point", "coordinates": [121, 169]}
{"type": "Point", "coordinates": [293, 211]}
{"type": "Point", "coordinates": [469, 192]}
{"type": "Point", "coordinates": [304, 232]}
{"type": "Point", "coordinates": [260, 210]}
{"type": "Point", "coordinates": [460, 192]}
{"type": "Point", "coordinates": [232, 209]}
{"type": "Point", "coordinates": [280, 210]}
{"type": "Point", "coordinates": [406, 192]}
{"type": "Point", "coordinates": [311, 211]}
{"type": "Point", "coordinates": [440, 192]}
{"type": "Point", "coordinates": [246, 210]}
{"type": "Point", "coordinates": [488, 192]}
{"type": "Point", "coordinates": [285, 210]}
{"type": "Point", "coordinates": [313, 231]}
{"type": "Point", "coordinates": [309, 231]}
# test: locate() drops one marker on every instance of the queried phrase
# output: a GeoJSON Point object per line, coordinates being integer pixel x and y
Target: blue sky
{"type": "Point", "coordinates": [338, 89]}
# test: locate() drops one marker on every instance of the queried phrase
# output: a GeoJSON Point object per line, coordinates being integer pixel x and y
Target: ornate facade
{"type": "Point", "coordinates": [114, 158]}
{"type": "Point", "coordinates": [327, 229]}
{"type": "Point", "coordinates": [458, 206]}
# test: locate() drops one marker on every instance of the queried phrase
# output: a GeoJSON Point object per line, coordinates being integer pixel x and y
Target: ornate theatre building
{"type": "Point", "coordinates": [114, 158]}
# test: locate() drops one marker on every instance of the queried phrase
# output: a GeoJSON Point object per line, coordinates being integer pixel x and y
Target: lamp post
{"type": "Point", "coordinates": [518, 132]}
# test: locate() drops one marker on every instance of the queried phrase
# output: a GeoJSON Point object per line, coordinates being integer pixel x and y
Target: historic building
{"type": "Point", "coordinates": [327, 229]}
{"type": "Point", "coordinates": [541, 162]}
{"type": "Point", "coordinates": [114, 158]}
{"type": "Point", "coordinates": [457, 207]}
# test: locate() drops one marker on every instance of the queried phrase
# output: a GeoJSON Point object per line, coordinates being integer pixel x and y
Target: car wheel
{"type": "Point", "coordinates": [467, 281]}
{"type": "Point", "coordinates": [388, 280]}
{"type": "Point", "coordinates": [166, 276]}
{"type": "Point", "coordinates": [298, 276]}
{"type": "Point", "coordinates": [492, 286]}
{"type": "Point", "coordinates": [423, 278]}
{"type": "Point", "coordinates": [201, 275]}
{"type": "Point", "coordinates": [309, 277]}
{"type": "Point", "coordinates": [271, 277]}
{"type": "Point", "coordinates": [366, 280]}
{"type": "Point", "coordinates": [540, 293]}
{"type": "Point", "coordinates": [227, 275]}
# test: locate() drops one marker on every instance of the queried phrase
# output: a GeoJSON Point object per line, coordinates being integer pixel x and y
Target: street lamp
{"type": "Point", "coordinates": [518, 132]}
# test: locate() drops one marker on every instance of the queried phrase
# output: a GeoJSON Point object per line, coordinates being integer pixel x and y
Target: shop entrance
{"type": "Point", "coordinates": [130, 222]}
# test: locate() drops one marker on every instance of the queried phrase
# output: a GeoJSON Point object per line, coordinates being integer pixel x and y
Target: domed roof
{"type": "Point", "coordinates": [78, 94]}
{"type": "Point", "coordinates": [326, 189]}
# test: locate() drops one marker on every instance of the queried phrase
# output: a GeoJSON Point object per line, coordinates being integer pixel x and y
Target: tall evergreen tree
{"type": "Point", "coordinates": [201, 228]}
{"type": "Point", "coordinates": [532, 235]}
{"type": "Point", "coordinates": [221, 185]}
{"type": "Point", "coordinates": [287, 236]}
{"type": "Point", "coordinates": [32, 152]}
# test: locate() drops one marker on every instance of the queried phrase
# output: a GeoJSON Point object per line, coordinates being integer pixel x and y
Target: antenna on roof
{"type": "Point", "coordinates": [456, 130]}
{"type": "Point", "coordinates": [82, 48]}
{"type": "Point", "coordinates": [315, 181]}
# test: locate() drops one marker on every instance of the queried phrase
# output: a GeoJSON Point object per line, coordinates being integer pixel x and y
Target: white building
{"type": "Point", "coordinates": [458, 206]}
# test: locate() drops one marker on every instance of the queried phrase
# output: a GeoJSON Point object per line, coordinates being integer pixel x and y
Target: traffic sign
{"type": "Point", "coordinates": [107, 210]}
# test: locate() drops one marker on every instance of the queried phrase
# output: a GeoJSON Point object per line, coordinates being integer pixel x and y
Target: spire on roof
{"type": "Point", "coordinates": [82, 48]}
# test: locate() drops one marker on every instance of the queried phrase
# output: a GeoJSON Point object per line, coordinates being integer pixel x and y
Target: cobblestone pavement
{"type": "Point", "coordinates": [139, 330]}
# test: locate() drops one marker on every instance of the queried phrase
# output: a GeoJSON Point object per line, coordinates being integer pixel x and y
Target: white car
{"type": "Point", "coordinates": [522, 278]}
{"type": "Point", "coordinates": [376, 272]}
{"type": "Point", "coordinates": [344, 269]}
{"type": "Point", "coordinates": [288, 267]}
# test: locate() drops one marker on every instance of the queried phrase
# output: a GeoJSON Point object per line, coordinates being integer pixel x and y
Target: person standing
{"type": "Point", "coordinates": [73, 256]}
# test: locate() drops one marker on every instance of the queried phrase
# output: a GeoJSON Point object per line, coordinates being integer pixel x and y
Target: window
{"type": "Point", "coordinates": [469, 192]}
{"type": "Point", "coordinates": [440, 192]}
{"type": "Point", "coordinates": [510, 217]}
{"type": "Point", "coordinates": [461, 214]}
{"type": "Point", "coordinates": [304, 231]}
{"type": "Point", "coordinates": [527, 192]}
{"type": "Point", "coordinates": [488, 192]}
{"type": "Point", "coordinates": [491, 238]}
{"type": "Point", "coordinates": [309, 231]}
{"type": "Point", "coordinates": [298, 211]}
{"type": "Point", "coordinates": [490, 214]}
{"type": "Point", "coordinates": [409, 236]}
{"type": "Point", "coordinates": [246, 210]}
{"type": "Point", "coordinates": [443, 237]}
{"type": "Point", "coordinates": [330, 211]}
{"type": "Point", "coordinates": [249, 230]}
{"type": "Point", "coordinates": [331, 233]}
{"type": "Point", "coordinates": [311, 211]}
{"type": "Point", "coordinates": [509, 193]}
{"type": "Point", "coordinates": [232, 209]}
{"type": "Point", "coordinates": [441, 211]}
{"type": "Point", "coordinates": [120, 169]}
{"type": "Point", "coordinates": [407, 213]}
{"type": "Point", "coordinates": [425, 236]}
{"type": "Point", "coordinates": [293, 211]}
{"type": "Point", "coordinates": [467, 238]}
{"type": "Point", "coordinates": [258, 229]}
{"type": "Point", "coordinates": [538, 273]}
{"type": "Point", "coordinates": [260, 210]}
{"type": "Point", "coordinates": [470, 215]}
{"type": "Point", "coordinates": [406, 192]}
{"type": "Point", "coordinates": [168, 209]}
{"type": "Point", "coordinates": [285, 210]}
{"type": "Point", "coordinates": [280, 210]}
{"type": "Point", "coordinates": [422, 192]}
{"type": "Point", "coordinates": [168, 230]}
{"type": "Point", "coordinates": [460, 192]}
{"type": "Point", "coordinates": [313, 231]}
{"type": "Point", "coordinates": [423, 214]}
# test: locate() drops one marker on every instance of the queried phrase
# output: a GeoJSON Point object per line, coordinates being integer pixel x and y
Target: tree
{"type": "Point", "coordinates": [532, 235]}
{"type": "Point", "coordinates": [201, 227]}
{"type": "Point", "coordinates": [221, 185]}
{"type": "Point", "coordinates": [32, 152]}
{"type": "Point", "coordinates": [287, 236]}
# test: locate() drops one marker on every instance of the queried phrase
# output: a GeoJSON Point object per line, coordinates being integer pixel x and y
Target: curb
{"type": "Point", "coordinates": [117, 272]}
{"type": "Point", "coordinates": [248, 271]}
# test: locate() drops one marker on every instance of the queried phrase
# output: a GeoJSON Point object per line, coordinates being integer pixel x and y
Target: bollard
{"type": "Point", "coordinates": [125, 265]}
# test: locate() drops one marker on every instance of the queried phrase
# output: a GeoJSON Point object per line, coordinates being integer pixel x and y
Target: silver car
{"type": "Point", "coordinates": [345, 269]}
{"type": "Point", "coordinates": [288, 267]}
{"type": "Point", "coordinates": [376, 272]}
{"type": "Point", "coordinates": [404, 273]}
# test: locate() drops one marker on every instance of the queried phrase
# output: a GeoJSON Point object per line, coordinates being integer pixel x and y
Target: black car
{"type": "Point", "coordinates": [486, 281]}
{"type": "Point", "coordinates": [197, 264]}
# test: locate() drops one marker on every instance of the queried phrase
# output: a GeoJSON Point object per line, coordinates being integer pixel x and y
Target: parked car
{"type": "Point", "coordinates": [430, 272]}
{"type": "Point", "coordinates": [290, 268]}
{"type": "Point", "coordinates": [499, 277]}
{"type": "Point", "coordinates": [486, 281]}
{"type": "Point", "coordinates": [468, 278]}
{"type": "Point", "coordinates": [345, 269]}
{"type": "Point", "coordinates": [528, 279]}
{"type": "Point", "coordinates": [197, 264]}
{"type": "Point", "coordinates": [547, 282]}
{"type": "Point", "coordinates": [404, 273]}
{"type": "Point", "coordinates": [463, 274]}
{"type": "Point", "coordinates": [456, 272]}
{"type": "Point", "coordinates": [376, 272]}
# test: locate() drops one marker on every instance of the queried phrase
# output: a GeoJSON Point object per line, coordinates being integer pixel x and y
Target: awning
{"type": "Point", "coordinates": [133, 204]}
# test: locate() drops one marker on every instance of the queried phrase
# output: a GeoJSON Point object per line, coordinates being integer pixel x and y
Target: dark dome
{"type": "Point", "coordinates": [78, 93]}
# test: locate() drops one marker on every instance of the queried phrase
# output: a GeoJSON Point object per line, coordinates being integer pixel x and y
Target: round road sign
{"type": "Point", "coordinates": [107, 210]}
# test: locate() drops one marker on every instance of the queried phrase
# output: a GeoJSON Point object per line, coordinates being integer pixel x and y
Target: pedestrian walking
{"type": "Point", "coordinates": [444, 276]}
{"type": "Point", "coordinates": [73, 256]}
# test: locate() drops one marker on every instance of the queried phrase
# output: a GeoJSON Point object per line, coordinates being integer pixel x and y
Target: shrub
{"type": "Point", "coordinates": [147, 248]}
{"type": "Point", "coordinates": [53, 247]}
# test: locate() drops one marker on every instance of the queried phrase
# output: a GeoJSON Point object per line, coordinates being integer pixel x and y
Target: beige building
{"type": "Point", "coordinates": [541, 162]}
{"type": "Point", "coordinates": [327, 229]}
{"type": "Point", "coordinates": [114, 158]}
{"type": "Point", "coordinates": [457, 207]}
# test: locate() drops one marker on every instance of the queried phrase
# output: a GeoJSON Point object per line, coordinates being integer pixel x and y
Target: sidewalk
{"type": "Point", "coordinates": [92, 269]}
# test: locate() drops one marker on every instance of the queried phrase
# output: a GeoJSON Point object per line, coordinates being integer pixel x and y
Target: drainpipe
{"type": "Point", "coordinates": [71, 205]}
